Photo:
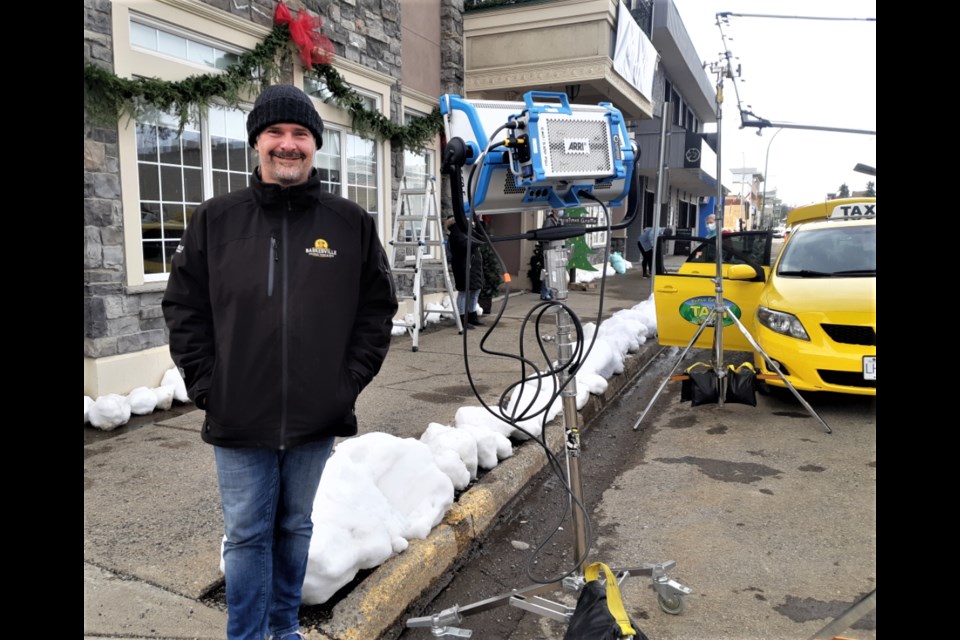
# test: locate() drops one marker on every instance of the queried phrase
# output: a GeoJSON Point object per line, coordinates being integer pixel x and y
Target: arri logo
{"type": "Point", "coordinates": [321, 249]}
{"type": "Point", "coordinates": [580, 146]}
{"type": "Point", "coordinates": [698, 311]}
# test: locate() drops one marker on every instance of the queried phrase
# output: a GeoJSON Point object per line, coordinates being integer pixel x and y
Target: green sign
{"type": "Point", "coordinates": [700, 309]}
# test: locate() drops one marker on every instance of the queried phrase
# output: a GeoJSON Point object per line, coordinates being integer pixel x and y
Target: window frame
{"type": "Point", "coordinates": [376, 87]}
{"type": "Point", "coordinates": [208, 186]}
{"type": "Point", "coordinates": [202, 23]}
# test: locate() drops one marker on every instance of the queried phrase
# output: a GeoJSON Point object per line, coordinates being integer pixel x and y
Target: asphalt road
{"type": "Point", "coordinates": [771, 521]}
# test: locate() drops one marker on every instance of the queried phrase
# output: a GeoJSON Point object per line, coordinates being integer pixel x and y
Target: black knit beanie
{"type": "Point", "coordinates": [283, 103]}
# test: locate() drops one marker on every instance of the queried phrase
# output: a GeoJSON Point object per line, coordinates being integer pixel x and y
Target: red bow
{"type": "Point", "coordinates": [315, 48]}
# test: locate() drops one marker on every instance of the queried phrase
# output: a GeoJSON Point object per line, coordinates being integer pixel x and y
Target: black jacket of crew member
{"type": "Point", "coordinates": [458, 257]}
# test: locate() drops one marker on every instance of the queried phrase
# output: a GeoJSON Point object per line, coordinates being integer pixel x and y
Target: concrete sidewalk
{"type": "Point", "coordinates": [152, 521]}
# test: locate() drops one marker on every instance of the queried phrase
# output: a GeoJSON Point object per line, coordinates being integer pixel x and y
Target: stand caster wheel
{"type": "Point", "coordinates": [674, 605]}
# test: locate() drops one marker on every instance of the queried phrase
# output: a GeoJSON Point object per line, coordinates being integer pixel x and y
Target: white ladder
{"type": "Point", "coordinates": [419, 247]}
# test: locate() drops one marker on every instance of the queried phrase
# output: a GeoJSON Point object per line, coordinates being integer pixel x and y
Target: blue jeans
{"type": "Point", "coordinates": [267, 497]}
{"type": "Point", "coordinates": [462, 302]}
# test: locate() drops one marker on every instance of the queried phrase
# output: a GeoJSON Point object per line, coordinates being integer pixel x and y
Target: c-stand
{"type": "Point", "coordinates": [721, 310]}
{"type": "Point", "coordinates": [670, 593]}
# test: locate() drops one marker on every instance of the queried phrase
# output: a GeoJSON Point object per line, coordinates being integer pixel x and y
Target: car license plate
{"type": "Point", "coordinates": [869, 367]}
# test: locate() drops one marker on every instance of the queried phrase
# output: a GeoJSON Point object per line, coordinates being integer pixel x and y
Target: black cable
{"type": "Point", "coordinates": [535, 376]}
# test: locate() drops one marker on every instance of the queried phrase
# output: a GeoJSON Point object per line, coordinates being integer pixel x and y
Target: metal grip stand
{"type": "Point", "coordinates": [670, 593]}
{"type": "Point", "coordinates": [715, 320]}
{"type": "Point", "coordinates": [720, 310]}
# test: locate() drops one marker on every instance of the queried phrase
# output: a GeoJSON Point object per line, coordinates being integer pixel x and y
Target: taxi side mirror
{"type": "Point", "coordinates": [739, 272]}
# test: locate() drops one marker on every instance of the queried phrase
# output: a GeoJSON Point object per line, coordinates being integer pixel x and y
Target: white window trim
{"type": "Point", "coordinates": [177, 30]}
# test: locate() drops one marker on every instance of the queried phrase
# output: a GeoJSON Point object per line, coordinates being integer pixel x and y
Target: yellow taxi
{"type": "Point", "coordinates": [813, 311]}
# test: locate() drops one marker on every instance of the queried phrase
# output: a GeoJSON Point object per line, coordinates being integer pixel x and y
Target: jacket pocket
{"type": "Point", "coordinates": [273, 258]}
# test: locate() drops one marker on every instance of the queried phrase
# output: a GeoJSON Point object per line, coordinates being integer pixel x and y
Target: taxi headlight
{"type": "Point", "coordinates": [785, 323]}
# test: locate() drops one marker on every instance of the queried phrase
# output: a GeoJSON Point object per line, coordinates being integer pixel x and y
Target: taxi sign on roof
{"type": "Point", "coordinates": [840, 209]}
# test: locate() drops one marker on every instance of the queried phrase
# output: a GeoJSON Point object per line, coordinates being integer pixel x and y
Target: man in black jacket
{"type": "Point", "coordinates": [280, 305]}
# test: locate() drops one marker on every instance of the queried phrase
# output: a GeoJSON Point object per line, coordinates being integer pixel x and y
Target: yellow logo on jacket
{"type": "Point", "coordinates": [321, 249]}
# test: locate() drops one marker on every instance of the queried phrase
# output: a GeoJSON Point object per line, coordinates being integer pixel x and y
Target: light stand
{"type": "Point", "coordinates": [670, 593]}
{"type": "Point", "coordinates": [720, 310]}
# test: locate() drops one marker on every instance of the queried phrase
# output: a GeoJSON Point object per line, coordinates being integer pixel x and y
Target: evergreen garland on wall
{"type": "Point", "coordinates": [108, 97]}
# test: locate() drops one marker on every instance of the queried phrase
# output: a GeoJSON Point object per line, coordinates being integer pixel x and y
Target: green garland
{"type": "Point", "coordinates": [107, 97]}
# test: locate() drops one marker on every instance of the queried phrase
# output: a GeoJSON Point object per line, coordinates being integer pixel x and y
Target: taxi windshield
{"type": "Point", "coordinates": [828, 252]}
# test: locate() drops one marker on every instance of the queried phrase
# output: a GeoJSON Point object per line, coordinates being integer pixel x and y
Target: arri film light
{"type": "Point", "coordinates": [543, 153]}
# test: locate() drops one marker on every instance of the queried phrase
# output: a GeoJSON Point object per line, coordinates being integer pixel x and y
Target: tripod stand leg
{"type": "Point", "coordinates": [773, 365]}
{"type": "Point", "coordinates": [864, 606]}
{"type": "Point", "coordinates": [666, 379]}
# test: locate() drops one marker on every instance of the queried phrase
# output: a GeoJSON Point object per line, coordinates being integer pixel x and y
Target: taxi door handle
{"type": "Point", "coordinates": [667, 288]}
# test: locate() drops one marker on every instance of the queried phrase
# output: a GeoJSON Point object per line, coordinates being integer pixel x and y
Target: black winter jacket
{"type": "Point", "coordinates": [280, 305]}
{"type": "Point", "coordinates": [458, 261]}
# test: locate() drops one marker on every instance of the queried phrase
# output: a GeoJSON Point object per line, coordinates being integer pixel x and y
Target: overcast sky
{"type": "Point", "coordinates": [806, 72]}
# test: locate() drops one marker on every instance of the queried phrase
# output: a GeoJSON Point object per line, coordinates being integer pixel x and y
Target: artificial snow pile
{"type": "Point", "coordinates": [113, 410]}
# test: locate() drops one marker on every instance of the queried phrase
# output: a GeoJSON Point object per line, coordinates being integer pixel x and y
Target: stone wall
{"type": "Point", "coordinates": [451, 70]}
{"type": "Point", "coordinates": [107, 316]}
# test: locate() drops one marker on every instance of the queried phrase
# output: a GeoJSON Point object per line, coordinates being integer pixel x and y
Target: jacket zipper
{"type": "Point", "coordinates": [271, 264]}
{"type": "Point", "coordinates": [283, 340]}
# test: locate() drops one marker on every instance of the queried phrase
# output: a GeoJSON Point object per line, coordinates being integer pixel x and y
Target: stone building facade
{"type": "Point", "coordinates": [125, 340]}
{"type": "Point", "coordinates": [144, 175]}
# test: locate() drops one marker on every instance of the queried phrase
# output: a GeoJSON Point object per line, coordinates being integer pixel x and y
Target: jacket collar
{"type": "Point", "coordinates": [273, 196]}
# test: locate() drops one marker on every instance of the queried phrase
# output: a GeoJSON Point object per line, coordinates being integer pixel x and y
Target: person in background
{"type": "Point", "coordinates": [280, 307]}
{"type": "Point", "coordinates": [711, 226]}
{"type": "Point", "coordinates": [467, 278]}
{"type": "Point", "coordinates": [646, 250]}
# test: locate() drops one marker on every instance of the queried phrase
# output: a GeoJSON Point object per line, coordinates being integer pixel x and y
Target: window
{"type": "Point", "coordinates": [750, 247]}
{"type": "Point", "coordinates": [231, 157]}
{"type": "Point", "coordinates": [327, 161]}
{"type": "Point", "coordinates": [316, 87]}
{"type": "Point", "coordinates": [176, 166]}
{"type": "Point", "coordinates": [175, 175]}
{"type": "Point", "coordinates": [349, 165]}
{"type": "Point", "coordinates": [846, 249]}
{"type": "Point", "coordinates": [362, 173]}
{"type": "Point", "coordinates": [176, 43]}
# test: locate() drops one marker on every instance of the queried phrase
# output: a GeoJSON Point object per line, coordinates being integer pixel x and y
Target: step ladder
{"type": "Point", "coordinates": [419, 256]}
